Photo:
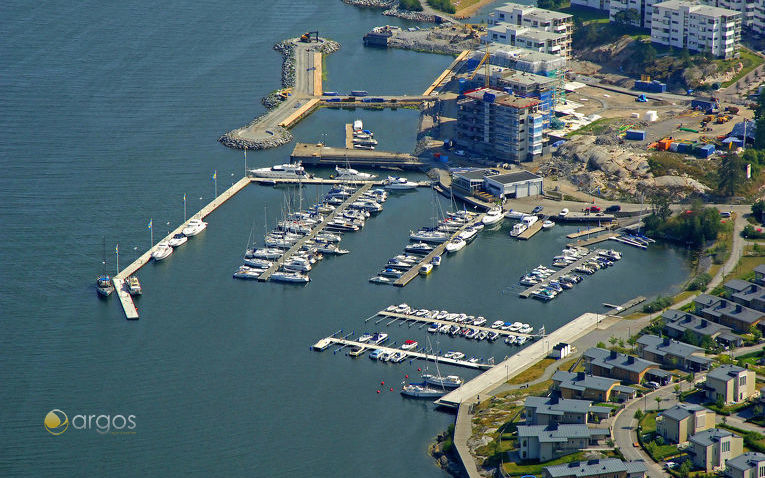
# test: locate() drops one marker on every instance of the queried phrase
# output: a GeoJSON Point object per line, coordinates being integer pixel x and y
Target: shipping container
{"type": "Point", "coordinates": [635, 134]}
{"type": "Point", "coordinates": [705, 151]}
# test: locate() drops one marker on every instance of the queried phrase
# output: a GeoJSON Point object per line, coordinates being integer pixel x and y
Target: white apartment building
{"type": "Point", "coordinates": [532, 17]}
{"type": "Point", "coordinates": [748, 9]}
{"type": "Point", "coordinates": [604, 5]}
{"type": "Point", "coordinates": [530, 38]}
{"type": "Point", "coordinates": [701, 28]}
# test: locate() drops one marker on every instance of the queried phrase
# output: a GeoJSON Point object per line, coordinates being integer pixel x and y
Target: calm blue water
{"type": "Point", "coordinates": [109, 115]}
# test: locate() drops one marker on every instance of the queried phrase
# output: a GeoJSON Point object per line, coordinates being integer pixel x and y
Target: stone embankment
{"type": "Point", "coordinates": [371, 3]}
{"type": "Point", "coordinates": [280, 137]}
{"type": "Point", "coordinates": [410, 15]}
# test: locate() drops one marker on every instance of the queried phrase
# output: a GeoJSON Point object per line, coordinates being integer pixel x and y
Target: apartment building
{"type": "Point", "coordinates": [643, 8]}
{"type": "Point", "coordinates": [530, 38]}
{"type": "Point", "coordinates": [532, 17]}
{"type": "Point", "coordinates": [699, 28]}
{"type": "Point", "coordinates": [604, 5]}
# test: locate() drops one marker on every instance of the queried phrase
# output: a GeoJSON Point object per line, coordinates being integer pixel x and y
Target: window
{"type": "Point", "coordinates": [742, 380]}
{"type": "Point", "coordinates": [725, 446]}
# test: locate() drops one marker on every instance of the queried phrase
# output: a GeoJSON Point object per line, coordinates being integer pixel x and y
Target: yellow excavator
{"type": "Point", "coordinates": [306, 37]}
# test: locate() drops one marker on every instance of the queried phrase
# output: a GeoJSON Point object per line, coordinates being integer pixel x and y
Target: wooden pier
{"type": "Point", "coordinates": [125, 299]}
{"type": "Point", "coordinates": [530, 231]}
{"type": "Point", "coordinates": [410, 274]}
{"type": "Point", "coordinates": [593, 240]}
{"type": "Point", "coordinates": [327, 341]}
{"type": "Point", "coordinates": [348, 136]}
{"type": "Point", "coordinates": [445, 76]}
{"type": "Point", "coordinates": [132, 268]}
{"type": "Point", "coordinates": [317, 74]}
{"type": "Point", "coordinates": [320, 155]}
{"type": "Point", "coordinates": [426, 320]}
{"type": "Point", "coordinates": [299, 113]}
{"type": "Point", "coordinates": [629, 304]}
{"type": "Point", "coordinates": [587, 232]}
{"type": "Point", "coordinates": [316, 230]}
{"type": "Point", "coordinates": [569, 268]}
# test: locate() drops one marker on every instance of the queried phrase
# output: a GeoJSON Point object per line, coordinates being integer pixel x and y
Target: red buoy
{"type": "Point", "coordinates": [419, 369]}
{"type": "Point", "coordinates": [378, 391]}
{"type": "Point", "coordinates": [391, 389]}
{"type": "Point", "coordinates": [382, 383]}
{"type": "Point", "coordinates": [406, 376]}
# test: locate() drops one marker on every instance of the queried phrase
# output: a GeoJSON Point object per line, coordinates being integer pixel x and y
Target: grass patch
{"type": "Point", "coordinates": [596, 128]}
{"type": "Point", "coordinates": [750, 61]}
{"type": "Point", "coordinates": [519, 469]}
{"type": "Point", "coordinates": [663, 163]}
{"type": "Point", "coordinates": [648, 422]}
{"type": "Point", "coordinates": [531, 373]}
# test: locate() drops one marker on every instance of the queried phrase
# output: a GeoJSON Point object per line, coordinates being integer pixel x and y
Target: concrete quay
{"type": "Point", "coordinates": [320, 155]}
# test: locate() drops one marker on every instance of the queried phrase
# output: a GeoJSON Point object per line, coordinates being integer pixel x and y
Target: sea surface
{"type": "Point", "coordinates": [109, 114]}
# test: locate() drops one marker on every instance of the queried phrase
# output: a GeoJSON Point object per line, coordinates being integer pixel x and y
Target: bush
{"type": "Point", "coordinates": [699, 282]}
{"type": "Point", "coordinates": [694, 227]}
{"type": "Point", "coordinates": [412, 5]}
{"type": "Point", "coordinates": [751, 232]}
{"type": "Point", "coordinates": [657, 305]}
{"type": "Point", "coordinates": [442, 5]}
{"type": "Point", "coordinates": [638, 414]}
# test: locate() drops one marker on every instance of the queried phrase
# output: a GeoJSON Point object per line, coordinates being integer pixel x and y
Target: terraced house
{"type": "Point", "coordinates": [581, 385]}
{"type": "Point", "coordinates": [672, 354]}
{"type": "Point", "coordinates": [689, 327]}
{"type": "Point", "coordinates": [555, 410]}
{"type": "Point", "coordinates": [711, 449]}
{"type": "Point", "coordinates": [547, 442]}
{"type": "Point", "coordinates": [609, 363]}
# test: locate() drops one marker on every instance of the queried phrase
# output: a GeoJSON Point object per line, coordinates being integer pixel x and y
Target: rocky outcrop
{"type": "Point", "coordinates": [444, 456]}
{"type": "Point", "coordinates": [280, 137]}
{"type": "Point", "coordinates": [410, 15]}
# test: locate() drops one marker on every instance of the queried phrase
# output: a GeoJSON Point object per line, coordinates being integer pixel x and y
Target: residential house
{"type": "Point", "coordinates": [600, 468]}
{"type": "Point", "coordinates": [678, 423]}
{"type": "Point", "coordinates": [730, 383]}
{"type": "Point", "coordinates": [608, 363]}
{"type": "Point", "coordinates": [748, 465]}
{"type": "Point", "coordinates": [689, 327]}
{"type": "Point", "coordinates": [746, 293]}
{"type": "Point", "coordinates": [584, 386]}
{"type": "Point", "coordinates": [547, 442]}
{"type": "Point", "coordinates": [726, 312]}
{"type": "Point", "coordinates": [672, 354]}
{"type": "Point", "coordinates": [556, 410]}
{"type": "Point", "coordinates": [712, 448]}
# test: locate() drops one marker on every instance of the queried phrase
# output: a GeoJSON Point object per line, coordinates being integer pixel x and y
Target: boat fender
{"type": "Point", "coordinates": [419, 369]}
{"type": "Point", "coordinates": [406, 376]}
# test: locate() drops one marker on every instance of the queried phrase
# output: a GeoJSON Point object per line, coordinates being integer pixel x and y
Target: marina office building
{"type": "Point", "coordinates": [502, 126]}
{"type": "Point", "coordinates": [515, 184]}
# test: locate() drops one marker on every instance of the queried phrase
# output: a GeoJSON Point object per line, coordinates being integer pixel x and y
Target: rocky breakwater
{"type": "Point", "coordinates": [394, 11]}
{"type": "Point", "coordinates": [371, 3]}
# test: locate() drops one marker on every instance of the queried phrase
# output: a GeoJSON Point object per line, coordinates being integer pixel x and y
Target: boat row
{"type": "Point", "coordinates": [550, 288]}
{"type": "Point", "coordinates": [458, 319]}
{"type": "Point", "coordinates": [164, 248]}
{"type": "Point", "coordinates": [634, 240]}
{"type": "Point", "coordinates": [362, 138]}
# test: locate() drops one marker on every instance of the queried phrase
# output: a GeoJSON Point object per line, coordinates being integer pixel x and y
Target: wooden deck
{"type": "Point", "coordinates": [299, 245]}
{"type": "Point", "coordinates": [445, 76]}
{"type": "Point", "coordinates": [410, 274]}
{"type": "Point", "coordinates": [570, 268]}
{"type": "Point", "coordinates": [125, 299]}
{"type": "Point", "coordinates": [348, 136]}
{"type": "Point", "coordinates": [586, 232]}
{"type": "Point", "coordinates": [317, 74]}
{"type": "Point", "coordinates": [323, 344]}
{"type": "Point", "coordinates": [529, 233]}
{"type": "Point", "coordinates": [593, 240]}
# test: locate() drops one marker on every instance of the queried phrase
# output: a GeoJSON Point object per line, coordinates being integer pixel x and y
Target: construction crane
{"type": "Point", "coordinates": [485, 60]}
{"type": "Point", "coordinates": [306, 37]}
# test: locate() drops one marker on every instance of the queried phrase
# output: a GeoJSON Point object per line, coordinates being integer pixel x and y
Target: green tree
{"type": "Point", "coordinates": [759, 122]}
{"type": "Point", "coordinates": [638, 414]}
{"type": "Point", "coordinates": [629, 16]}
{"type": "Point", "coordinates": [658, 402]}
{"type": "Point", "coordinates": [756, 333]}
{"type": "Point", "coordinates": [758, 209]}
{"type": "Point", "coordinates": [613, 340]}
{"type": "Point", "coordinates": [600, 345]}
{"type": "Point", "coordinates": [677, 389]}
{"type": "Point", "coordinates": [685, 468]}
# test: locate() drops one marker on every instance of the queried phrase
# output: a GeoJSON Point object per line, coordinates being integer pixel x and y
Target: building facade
{"type": "Point", "coordinates": [699, 28]}
{"type": "Point", "coordinates": [682, 421]}
{"type": "Point", "coordinates": [530, 38]}
{"type": "Point", "coordinates": [731, 384]}
{"type": "Point", "coordinates": [545, 443]}
{"type": "Point", "coordinates": [712, 448]}
{"type": "Point", "coordinates": [600, 468]}
{"type": "Point", "coordinates": [748, 465]}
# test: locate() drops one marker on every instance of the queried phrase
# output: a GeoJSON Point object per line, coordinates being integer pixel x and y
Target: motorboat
{"type": "Point", "coordinates": [529, 219]}
{"type": "Point", "coordinates": [436, 261]}
{"type": "Point", "coordinates": [563, 212]}
{"type": "Point", "coordinates": [468, 234]}
{"type": "Point", "coordinates": [328, 237]}
{"type": "Point", "coordinates": [364, 141]}
{"type": "Point", "coordinates": [397, 357]}
{"type": "Point", "coordinates": [378, 338]}
{"type": "Point", "coordinates": [134, 286]}
{"type": "Point", "coordinates": [258, 263]}
{"type": "Point", "coordinates": [512, 214]}
{"type": "Point", "coordinates": [482, 335]}
{"type": "Point", "coordinates": [455, 245]}
{"type": "Point", "coordinates": [510, 340]}
{"type": "Point", "coordinates": [497, 324]}
{"type": "Point", "coordinates": [358, 125]}
{"type": "Point", "coordinates": [331, 249]}
{"type": "Point", "coordinates": [380, 280]}
{"type": "Point", "coordinates": [479, 322]}
{"type": "Point", "coordinates": [398, 183]}
{"type": "Point", "coordinates": [544, 295]}
{"type": "Point", "coordinates": [528, 280]}
{"type": "Point", "coordinates": [161, 251]}
{"type": "Point", "coordinates": [353, 174]}
{"type": "Point", "coordinates": [521, 340]}
{"type": "Point", "coordinates": [547, 224]}
{"type": "Point", "coordinates": [104, 285]}
{"type": "Point", "coordinates": [424, 235]}
{"type": "Point", "coordinates": [177, 240]}
{"type": "Point", "coordinates": [426, 269]}
{"type": "Point", "coordinates": [294, 277]}
{"type": "Point", "coordinates": [247, 273]}
{"type": "Point", "coordinates": [415, 390]}
{"type": "Point", "coordinates": [518, 229]}
{"type": "Point", "coordinates": [282, 171]}
{"type": "Point", "coordinates": [297, 264]}
{"type": "Point", "coordinates": [357, 351]}
{"type": "Point", "coordinates": [266, 253]}
{"type": "Point", "coordinates": [194, 227]}
{"type": "Point", "coordinates": [611, 254]}
{"type": "Point", "coordinates": [391, 272]}
{"type": "Point", "coordinates": [492, 336]}
{"type": "Point", "coordinates": [433, 328]}
{"type": "Point", "coordinates": [364, 338]}
{"type": "Point", "coordinates": [375, 354]}
{"type": "Point", "coordinates": [363, 146]}
{"type": "Point", "coordinates": [493, 216]}
{"type": "Point", "coordinates": [454, 355]}
{"type": "Point", "coordinates": [472, 333]}
{"type": "Point", "coordinates": [449, 381]}
{"type": "Point", "coordinates": [409, 345]}
{"type": "Point", "coordinates": [419, 248]}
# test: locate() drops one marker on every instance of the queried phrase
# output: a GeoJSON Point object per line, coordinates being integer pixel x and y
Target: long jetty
{"type": "Point", "coordinates": [119, 279]}
{"type": "Point", "coordinates": [320, 155]}
{"type": "Point", "coordinates": [412, 272]}
{"type": "Point", "coordinates": [316, 230]}
{"type": "Point", "coordinates": [426, 320]}
{"type": "Point", "coordinates": [569, 268]}
{"type": "Point", "coordinates": [272, 181]}
{"type": "Point", "coordinates": [327, 341]}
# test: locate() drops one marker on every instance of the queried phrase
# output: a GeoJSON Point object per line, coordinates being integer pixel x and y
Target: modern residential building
{"type": "Point", "coordinates": [530, 38]}
{"type": "Point", "coordinates": [585, 386]}
{"type": "Point", "coordinates": [678, 423]}
{"type": "Point", "coordinates": [747, 8]}
{"type": "Point", "coordinates": [748, 465]}
{"type": "Point", "coordinates": [604, 5]}
{"type": "Point", "coordinates": [736, 316]}
{"type": "Point", "coordinates": [532, 17]}
{"type": "Point", "coordinates": [609, 363]}
{"type": "Point", "coordinates": [520, 59]}
{"type": "Point", "coordinates": [759, 274]}
{"type": "Point", "coordinates": [746, 293]}
{"type": "Point", "coordinates": [503, 126]}
{"type": "Point", "coordinates": [672, 354]}
{"type": "Point", "coordinates": [712, 448]}
{"type": "Point", "coordinates": [699, 28]}
{"type": "Point", "coordinates": [692, 328]}
{"type": "Point", "coordinates": [602, 468]}
{"type": "Point", "coordinates": [544, 443]}
{"type": "Point", "coordinates": [730, 383]}
{"type": "Point", "coordinates": [562, 411]}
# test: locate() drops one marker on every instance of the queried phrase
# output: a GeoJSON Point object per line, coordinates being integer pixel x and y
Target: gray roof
{"type": "Point", "coordinates": [603, 358]}
{"type": "Point", "coordinates": [725, 372]}
{"type": "Point", "coordinates": [746, 461]}
{"type": "Point", "coordinates": [681, 411]}
{"type": "Point", "coordinates": [514, 177]}
{"type": "Point", "coordinates": [737, 285]}
{"type": "Point", "coordinates": [559, 433]}
{"type": "Point", "coordinates": [478, 174]}
{"type": "Point", "coordinates": [760, 269]}
{"type": "Point", "coordinates": [682, 321]}
{"type": "Point", "coordinates": [731, 309]}
{"type": "Point", "coordinates": [557, 406]}
{"type": "Point", "coordinates": [624, 389]}
{"type": "Point", "coordinates": [706, 300]}
{"type": "Point", "coordinates": [708, 437]}
{"type": "Point", "coordinates": [582, 381]}
{"type": "Point", "coordinates": [596, 467]}
{"type": "Point", "coordinates": [657, 372]}
{"type": "Point", "coordinates": [661, 346]}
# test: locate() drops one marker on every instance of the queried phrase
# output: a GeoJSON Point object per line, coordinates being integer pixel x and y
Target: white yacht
{"type": "Point", "coordinates": [399, 183]}
{"type": "Point", "coordinates": [287, 171]}
{"type": "Point", "coordinates": [455, 245]}
{"type": "Point", "coordinates": [416, 390]}
{"type": "Point", "coordinates": [250, 273]}
{"type": "Point", "coordinates": [468, 234]}
{"type": "Point", "coordinates": [297, 264]}
{"type": "Point", "coordinates": [295, 277]}
{"type": "Point", "coordinates": [358, 125]}
{"type": "Point", "coordinates": [529, 219]}
{"type": "Point", "coordinates": [409, 345]}
{"type": "Point", "coordinates": [493, 216]}
{"type": "Point", "coordinates": [352, 174]}
{"type": "Point", "coordinates": [426, 269]}
{"type": "Point", "coordinates": [511, 214]}
{"type": "Point", "coordinates": [258, 263]}
{"type": "Point", "coordinates": [563, 212]}
{"type": "Point", "coordinates": [266, 253]}
{"type": "Point", "coordinates": [178, 240]}
{"type": "Point", "coordinates": [194, 227]}
{"type": "Point", "coordinates": [518, 229]}
{"type": "Point", "coordinates": [162, 251]}
{"type": "Point", "coordinates": [381, 280]}
{"type": "Point", "coordinates": [419, 248]}
{"type": "Point", "coordinates": [429, 236]}
{"type": "Point", "coordinates": [548, 224]}
{"type": "Point", "coordinates": [450, 381]}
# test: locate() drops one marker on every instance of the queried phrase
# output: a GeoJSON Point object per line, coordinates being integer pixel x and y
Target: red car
{"type": "Point", "coordinates": [592, 209]}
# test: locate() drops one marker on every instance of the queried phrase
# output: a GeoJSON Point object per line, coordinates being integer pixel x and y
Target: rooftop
{"type": "Point", "coordinates": [681, 411]}
{"type": "Point", "coordinates": [661, 346]}
{"type": "Point", "coordinates": [708, 437]}
{"type": "Point", "coordinates": [608, 359]}
{"type": "Point", "coordinates": [746, 461]}
{"type": "Point", "coordinates": [530, 10]}
{"type": "Point", "coordinates": [560, 433]}
{"type": "Point", "coordinates": [706, 10]}
{"type": "Point", "coordinates": [725, 372]}
{"type": "Point", "coordinates": [681, 321]}
{"type": "Point", "coordinates": [560, 406]}
{"type": "Point", "coordinates": [509, 178]}
{"type": "Point", "coordinates": [478, 174]}
{"type": "Point", "coordinates": [582, 381]}
{"type": "Point", "coordinates": [596, 467]}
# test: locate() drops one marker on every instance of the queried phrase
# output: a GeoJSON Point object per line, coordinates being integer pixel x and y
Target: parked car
{"type": "Point", "coordinates": [725, 214]}
{"type": "Point", "coordinates": [614, 208]}
{"type": "Point", "coordinates": [537, 210]}
{"type": "Point", "coordinates": [669, 465]}
{"type": "Point", "coordinates": [653, 385]}
{"type": "Point", "coordinates": [592, 209]}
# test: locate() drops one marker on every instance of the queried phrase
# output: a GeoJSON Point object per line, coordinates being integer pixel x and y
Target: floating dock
{"type": "Point", "coordinates": [320, 155]}
{"type": "Point", "coordinates": [299, 244]}
{"type": "Point", "coordinates": [327, 341]}
{"type": "Point", "coordinates": [569, 268]}
{"type": "Point", "coordinates": [410, 274]}
{"type": "Point", "coordinates": [425, 320]}
{"type": "Point", "coordinates": [630, 303]}
{"type": "Point", "coordinates": [530, 231]}
{"type": "Point", "coordinates": [126, 300]}
{"type": "Point", "coordinates": [445, 76]}
{"type": "Point", "coordinates": [587, 232]}
{"type": "Point", "coordinates": [583, 217]}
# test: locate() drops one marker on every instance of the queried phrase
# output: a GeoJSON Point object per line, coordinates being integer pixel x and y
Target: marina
{"type": "Point", "coordinates": [530, 231]}
{"type": "Point", "coordinates": [406, 318]}
{"type": "Point", "coordinates": [326, 342]}
{"type": "Point", "coordinates": [587, 232]}
{"type": "Point", "coordinates": [562, 272]}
